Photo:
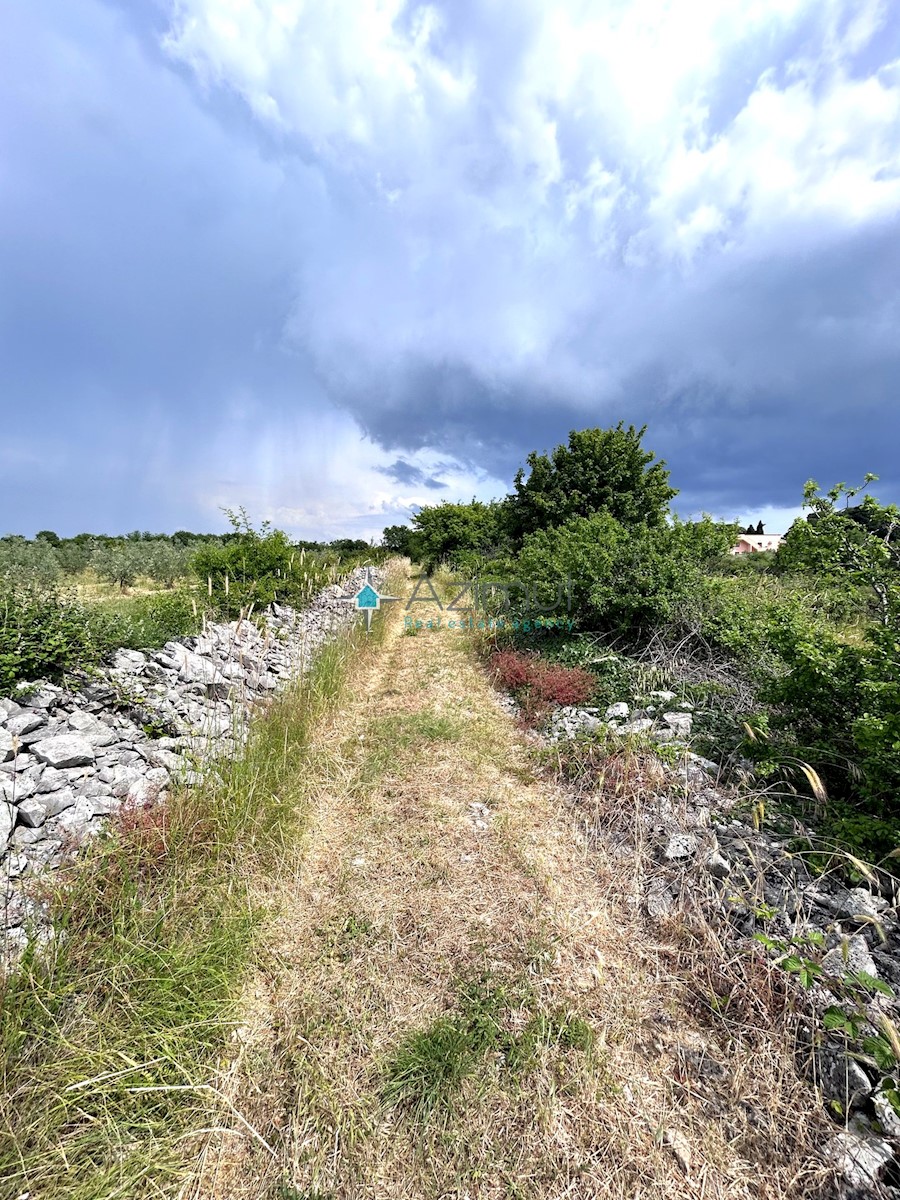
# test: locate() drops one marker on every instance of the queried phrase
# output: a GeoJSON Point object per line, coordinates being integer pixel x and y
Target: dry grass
{"type": "Point", "coordinates": [459, 995]}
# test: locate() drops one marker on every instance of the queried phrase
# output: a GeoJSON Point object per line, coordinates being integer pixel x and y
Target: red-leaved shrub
{"type": "Point", "coordinates": [537, 683]}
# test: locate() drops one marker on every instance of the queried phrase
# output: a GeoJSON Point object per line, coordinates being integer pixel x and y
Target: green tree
{"type": "Point", "coordinates": [400, 539]}
{"type": "Point", "coordinates": [47, 535]}
{"type": "Point", "coordinates": [599, 470]}
{"type": "Point", "coordinates": [461, 535]}
{"type": "Point", "coordinates": [859, 544]}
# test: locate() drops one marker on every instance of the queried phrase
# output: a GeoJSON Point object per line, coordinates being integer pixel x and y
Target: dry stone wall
{"type": "Point", "coordinates": [69, 757]}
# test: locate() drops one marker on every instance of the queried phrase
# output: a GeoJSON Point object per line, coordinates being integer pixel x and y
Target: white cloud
{"type": "Point", "coordinates": [497, 174]}
{"type": "Point", "coordinates": [317, 476]}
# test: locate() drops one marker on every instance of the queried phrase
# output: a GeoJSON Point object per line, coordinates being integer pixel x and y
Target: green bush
{"type": "Point", "coordinates": [463, 536]}
{"type": "Point", "coordinates": [45, 633]}
{"type": "Point", "coordinates": [256, 568]}
{"type": "Point", "coordinates": [147, 622]}
{"type": "Point", "coordinates": [626, 581]}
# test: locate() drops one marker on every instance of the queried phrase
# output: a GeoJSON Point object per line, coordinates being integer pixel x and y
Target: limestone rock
{"type": "Point", "coordinates": [31, 813]}
{"type": "Point", "coordinates": [681, 845]}
{"type": "Point", "coordinates": [861, 1161]}
{"type": "Point", "coordinates": [25, 723]}
{"type": "Point", "coordinates": [857, 958]}
{"type": "Point", "coordinates": [64, 750]}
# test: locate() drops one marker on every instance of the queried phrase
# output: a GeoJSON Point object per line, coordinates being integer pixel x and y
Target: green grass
{"type": "Point", "coordinates": [109, 1036]}
{"type": "Point", "coordinates": [497, 1024]}
{"type": "Point", "coordinates": [390, 740]}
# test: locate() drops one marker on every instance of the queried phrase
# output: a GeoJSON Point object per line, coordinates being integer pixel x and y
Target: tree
{"type": "Point", "coordinates": [462, 535]}
{"type": "Point", "coordinates": [47, 535]}
{"type": "Point", "coordinates": [400, 539]}
{"type": "Point", "coordinates": [600, 470]}
{"type": "Point", "coordinates": [859, 543]}
{"type": "Point", "coordinates": [349, 546]}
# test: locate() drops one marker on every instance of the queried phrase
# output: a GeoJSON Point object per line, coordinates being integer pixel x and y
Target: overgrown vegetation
{"type": "Point", "coordinates": [792, 660]}
{"type": "Point", "coordinates": [66, 604]}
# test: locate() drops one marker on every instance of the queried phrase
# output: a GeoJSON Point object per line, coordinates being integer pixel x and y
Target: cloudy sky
{"type": "Point", "coordinates": [330, 259]}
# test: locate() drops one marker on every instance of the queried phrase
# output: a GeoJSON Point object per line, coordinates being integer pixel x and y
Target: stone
{"type": "Point", "coordinates": [24, 835]}
{"type": "Point", "coordinates": [842, 1079]}
{"type": "Point", "coordinates": [64, 750]}
{"type": "Point", "coordinates": [39, 695]}
{"type": "Point", "coordinates": [31, 813]}
{"type": "Point", "coordinates": [20, 787]}
{"type": "Point", "coordinates": [704, 763]}
{"type": "Point", "coordinates": [141, 791]}
{"type": "Point", "coordinates": [193, 668]}
{"type": "Point", "coordinates": [861, 902]}
{"type": "Point", "coordinates": [660, 901]}
{"type": "Point", "coordinates": [50, 780]}
{"type": "Point", "coordinates": [888, 1117]}
{"type": "Point", "coordinates": [717, 865]}
{"type": "Point", "coordinates": [662, 696]}
{"type": "Point", "coordinates": [102, 806]}
{"type": "Point", "coordinates": [75, 820]}
{"type": "Point", "coordinates": [617, 711]}
{"type": "Point", "coordinates": [17, 865]}
{"type": "Point", "coordinates": [679, 722]}
{"type": "Point", "coordinates": [25, 723]}
{"type": "Point", "coordinates": [22, 762]}
{"type": "Point", "coordinates": [861, 1161]}
{"type": "Point", "coordinates": [8, 744]}
{"type": "Point", "coordinates": [97, 732]}
{"type": "Point", "coordinates": [857, 958]}
{"type": "Point", "coordinates": [56, 802]}
{"type": "Point", "coordinates": [681, 845]}
{"type": "Point", "coordinates": [7, 821]}
{"type": "Point", "coordinates": [129, 660]}
{"type": "Point", "coordinates": [640, 725]}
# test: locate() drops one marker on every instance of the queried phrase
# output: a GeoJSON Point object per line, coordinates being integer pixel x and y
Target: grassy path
{"type": "Point", "coordinates": [457, 996]}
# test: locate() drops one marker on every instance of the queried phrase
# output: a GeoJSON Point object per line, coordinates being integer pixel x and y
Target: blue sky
{"type": "Point", "coordinates": [331, 259]}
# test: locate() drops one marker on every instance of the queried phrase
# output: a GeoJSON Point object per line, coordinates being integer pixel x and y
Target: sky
{"type": "Point", "coordinates": [330, 260]}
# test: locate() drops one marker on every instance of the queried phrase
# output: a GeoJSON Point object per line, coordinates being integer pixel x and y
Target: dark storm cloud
{"type": "Point", "coordinates": [405, 473]}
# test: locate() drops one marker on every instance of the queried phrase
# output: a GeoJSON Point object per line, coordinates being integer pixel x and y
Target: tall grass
{"type": "Point", "coordinates": [110, 1033]}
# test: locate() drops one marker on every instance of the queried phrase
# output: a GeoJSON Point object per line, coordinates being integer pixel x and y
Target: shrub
{"type": "Point", "coordinates": [44, 632]}
{"type": "Point", "coordinates": [146, 622]}
{"type": "Point", "coordinates": [255, 568]}
{"type": "Point", "coordinates": [625, 581]}
{"type": "Point", "coordinates": [538, 683]}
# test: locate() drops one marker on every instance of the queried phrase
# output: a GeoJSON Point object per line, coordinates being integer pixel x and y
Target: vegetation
{"type": "Point", "coordinates": [67, 603]}
{"type": "Point", "coordinates": [599, 471]}
{"type": "Point", "coordinates": [792, 659]}
{"type": "Point", "coordinates": [110, 1033]}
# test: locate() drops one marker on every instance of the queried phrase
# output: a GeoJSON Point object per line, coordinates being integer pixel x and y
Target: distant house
{"type": "Point", "coordinates": [752, 541]}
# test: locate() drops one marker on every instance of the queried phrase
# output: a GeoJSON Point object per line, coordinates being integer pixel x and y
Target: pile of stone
{"type": "Point", "coordinates": [69, 757]}
{"type": "Point", "coordinates": [662, 719]}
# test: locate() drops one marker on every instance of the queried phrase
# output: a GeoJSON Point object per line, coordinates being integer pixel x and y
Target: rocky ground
{"type": "Point", "coordinates": [69, 757]}
{"type": "Point", "coordinates": [838, 944]}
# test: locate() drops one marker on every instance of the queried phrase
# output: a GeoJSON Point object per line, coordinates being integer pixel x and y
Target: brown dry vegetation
{"type": "Point", "coordinates": [458, 994]}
